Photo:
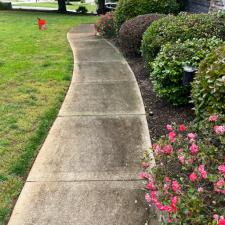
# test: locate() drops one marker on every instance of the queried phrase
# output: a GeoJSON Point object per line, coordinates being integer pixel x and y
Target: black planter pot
{"type": "Point", "coordinates": [188, 75]}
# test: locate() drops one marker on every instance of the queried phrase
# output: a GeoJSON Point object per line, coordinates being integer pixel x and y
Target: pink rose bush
{"type": "Point", "coordinates": [187, 184]}
{"type": "Point", "coordinates": [105, 25]}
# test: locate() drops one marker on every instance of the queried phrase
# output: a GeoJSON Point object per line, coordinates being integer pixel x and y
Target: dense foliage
{"type": "Point", "coordinates": [188, 180]}
{"type": "Point", "coordinates": [105, 25]}
{"type": "Point", "coordinates": [167, 68]}
{"type": "Point", "coordinates": [131, 32]}
{"type": "Point", "coordinates": [208, 90]}
{"type": "Point", "coordinates": [128, 9]}
{"type": "Point", "coordinates": [183, 27]}
{"type": "Point", "coordinates": [81, 10]}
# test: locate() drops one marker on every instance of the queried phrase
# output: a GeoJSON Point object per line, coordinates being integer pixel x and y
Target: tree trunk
{"type": "Point", "coordinates": [62, 6]}
{"type": "Point", "coordinates": [101, 7]}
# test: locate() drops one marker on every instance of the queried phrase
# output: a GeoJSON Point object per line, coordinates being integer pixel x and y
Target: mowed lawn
{"type": "Point", "coordinates": [35, 72]}
{"type": "Point", "coordinates": [74, 5]}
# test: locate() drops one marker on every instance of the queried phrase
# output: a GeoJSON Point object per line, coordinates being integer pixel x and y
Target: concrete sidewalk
{"type": "Point", "coordinates": [87, 172]}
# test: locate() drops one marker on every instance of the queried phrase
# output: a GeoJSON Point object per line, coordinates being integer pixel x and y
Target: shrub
{"type": "Point", "coordinates": [82, 10]}
{"type": "Point", "coordinates": [131, 32]}
{"type": "Point", "coordinates": [188, 180]}
{"type": "Point", "coordinates": [105, 25]}
{"type": "Point", "coordinates": [167, 68]}
{"type": "Point", "coordinates": [183, 27]}
{"type": "Point", "coordinates": [5, 5]}
{"type": "Point", "coordinates": [208, 89]}
{"type": "Point", "coordinates": [127, 9]}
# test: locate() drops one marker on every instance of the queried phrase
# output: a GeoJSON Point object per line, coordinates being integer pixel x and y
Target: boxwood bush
{"type": "Point", "coordinates": [167, 68]}
{"type": "Point", "coordinates": [208, 88]}
{"type": "Point", "coordinates": [183, 27]}
{"type": "Point", "coordinates": [127, 9]}
{"type": "Point", "coordinates": [131, 32]}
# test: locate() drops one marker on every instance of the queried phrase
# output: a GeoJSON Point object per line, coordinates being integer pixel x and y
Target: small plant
{"type": "Point", "coordinates": [167, 68]}
{"type": "Point", "coordinates": [105, 25]}
{"type": "Point", "coordinates": [82, 1]}
{"type": "Point", "coordinates": [127, 9]}
{"type": "Point", "coordinates": [208, 89]}
{"type": "Point", "coordinates": [183, 27]}
{"type": "Point", "coordinates": [188, 181]}
{"type": "Point", "coordinates": [82, 10]}
{"type": "Point", "coordinates": [131, 32]}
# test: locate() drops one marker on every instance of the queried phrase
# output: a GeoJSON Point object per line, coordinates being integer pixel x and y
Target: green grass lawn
{"type": "Point", "coordinates": [35, 72]}
{"type": "Point", "coordinates": [74, 6]}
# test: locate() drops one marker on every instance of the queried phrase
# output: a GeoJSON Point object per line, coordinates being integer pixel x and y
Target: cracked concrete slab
{"type": "Point", "coordinates": [96, 146]}
{"type": "Point", "coordinates": [83, 203]}
{"type": "Point", "coordinates": [103, 99]}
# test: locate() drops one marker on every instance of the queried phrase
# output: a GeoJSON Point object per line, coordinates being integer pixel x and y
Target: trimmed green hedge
{"type": "Point", "coordinates": [208, 88]}
{"type": "Point", "coordinates": [183, 27]}
{"type": "Point", "coordinates": [167, 68]}
{"type": "Point", "coordinates": [127, 9]}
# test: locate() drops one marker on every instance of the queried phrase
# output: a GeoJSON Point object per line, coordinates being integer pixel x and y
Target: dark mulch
{"type": "Point", "coordinates": [159, 111]}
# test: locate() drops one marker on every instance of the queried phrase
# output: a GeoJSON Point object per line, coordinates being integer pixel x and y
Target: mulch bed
{"type": "Point", "coordinates": [159, 111]}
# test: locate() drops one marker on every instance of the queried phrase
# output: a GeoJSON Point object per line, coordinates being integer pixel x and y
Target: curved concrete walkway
{"type": "Point", "coordinates": [87, 172]}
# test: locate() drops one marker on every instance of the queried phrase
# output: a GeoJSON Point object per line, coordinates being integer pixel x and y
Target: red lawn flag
{"type": "Point", "coordinates": [42, 24]}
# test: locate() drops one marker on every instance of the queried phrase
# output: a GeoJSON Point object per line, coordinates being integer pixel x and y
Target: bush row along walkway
{"type": "Point", "coordinates": [87, 171]}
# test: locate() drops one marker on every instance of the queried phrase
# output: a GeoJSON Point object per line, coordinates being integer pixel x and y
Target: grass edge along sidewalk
{"type": "Point", "coordinates": [35, 72]}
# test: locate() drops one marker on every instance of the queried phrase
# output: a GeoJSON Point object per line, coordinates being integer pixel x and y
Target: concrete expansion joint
{"type": "Point", "coordinates": [105, 82]}
{"type": "Point", "coordinates": [98, 61]}
{"type": "Point", "coordinates": [83, 181]}
{"type": "Point", "coordinates": [104, 115]}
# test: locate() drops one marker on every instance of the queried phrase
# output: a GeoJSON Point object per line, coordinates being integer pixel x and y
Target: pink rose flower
{"type": "Point", "coordinates": [167, 179]}
{"type": "Point", "coordinates": [156, 148]}
{"type": "Point", "coordinates": [192, 177]}
{"type": "Point", "coordinates": [167, 149]}
{"type": "Point", "coordinates": [191, 136]}
{"type": "Point", "coordinates": [182, 128]}
{"type": "Point", "coordinates": [151, 186]}
{"type": "Point", "coordinates": [174, 204]}
{"type": "Point", "coordinates": [169, 127]}
{"type": "Point", "coordinates": [220, 130]}
{"type": "Point", "coordinates": [219, 186]}
{"type": "Point", "coordinates": [202, 171]}
{"type": "Point", "coordinates": [221, 168]}
{"type": "Point", "coordinates": [144, 175]}
{"type": "Point", "coordinates": [193, 149]}
{"type": "Point", "coordinates": [221, 222]}
{"type": "Point", "coordinates": [181, 159]}
{"type": "Point", "coordinates": [172, 136]}
{"type": "Point", "coordinates": [166, 187]}
{"type": "Point", "coordinates": [175, 186]}
{"type": "Point", "coordinates": [216, 217]}
{"type": "Point", "coordinates": [213, 118]}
